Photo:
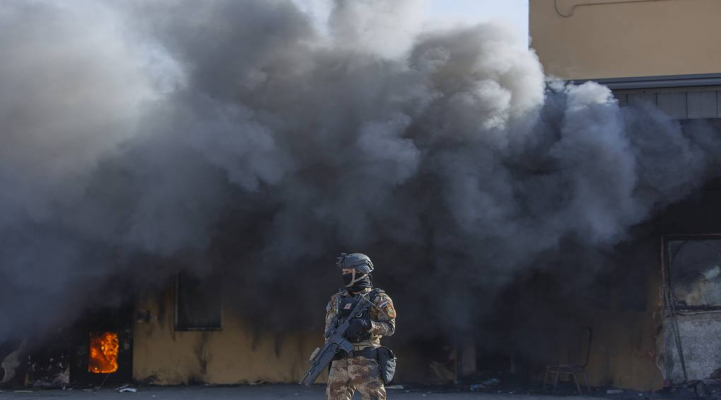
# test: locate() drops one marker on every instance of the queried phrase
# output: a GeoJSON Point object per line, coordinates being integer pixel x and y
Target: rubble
{"type": "Point", "coordinates": [487, 384]}
{"type": "Point", "coordinates": [126, 389]}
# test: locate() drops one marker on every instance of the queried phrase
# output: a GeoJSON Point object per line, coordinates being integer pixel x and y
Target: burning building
{"type": "Point", "coordinates": [652, 54]}
{"type": "Point", "coordinates": [184, 228]}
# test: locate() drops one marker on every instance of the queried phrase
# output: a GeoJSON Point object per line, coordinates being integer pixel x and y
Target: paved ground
{"type": "Point", "coordinates": [294, 392]}
{"type": "Point", "coordinates": [263, 392]}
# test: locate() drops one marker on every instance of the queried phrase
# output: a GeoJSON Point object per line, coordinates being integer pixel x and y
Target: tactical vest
{"type": "Point", "coordinates": [346, 304]}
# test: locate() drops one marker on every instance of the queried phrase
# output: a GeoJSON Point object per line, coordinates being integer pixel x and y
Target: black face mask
{"type": "Point", "coordinates": [356, 282]}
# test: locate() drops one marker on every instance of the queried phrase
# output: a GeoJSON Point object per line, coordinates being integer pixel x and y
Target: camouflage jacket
{"type": "Point", "coordinates": [383, 317]}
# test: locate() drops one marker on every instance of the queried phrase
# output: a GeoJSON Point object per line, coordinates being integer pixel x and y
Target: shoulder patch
{"type": "Point", "coordinates": [384, 302]}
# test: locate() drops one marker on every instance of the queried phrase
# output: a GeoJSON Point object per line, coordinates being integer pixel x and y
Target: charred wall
{"type": "Point", "coordinates": [541, 318]}
{"type": "Point", "coordinates": [236, 353]}
{"type": "Point", "coordinates": [692, 318]}
{"type": "Point", "coordinates": [61, 357]}
{"type": "Point", "coordinates": [544, 319]}
{"type": "Point", "coordinates": [243, 352]}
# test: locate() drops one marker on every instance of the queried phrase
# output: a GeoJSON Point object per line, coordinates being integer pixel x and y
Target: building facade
{"type": "Point", "coordinates": [599, 39]}
{"type": "Point", "coordinates": [664, 53]}
{"type": "Point", "coordinates": [654, 320]}
{"type": "Point", "coordinates": [660, 51]}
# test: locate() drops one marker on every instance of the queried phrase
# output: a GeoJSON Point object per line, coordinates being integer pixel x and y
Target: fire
{"type": "Point", "coordinates": [103, 353]}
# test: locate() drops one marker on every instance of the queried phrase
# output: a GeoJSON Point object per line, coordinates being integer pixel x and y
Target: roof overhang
{"type": "Point", "coordinates": [657, 82]}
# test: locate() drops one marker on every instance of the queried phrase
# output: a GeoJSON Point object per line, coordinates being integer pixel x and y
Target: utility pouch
{"type": "Point", "coordinates": [387, 361]}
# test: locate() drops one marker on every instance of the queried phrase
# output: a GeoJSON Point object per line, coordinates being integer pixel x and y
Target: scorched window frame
{"type": "Point", "coordinates": [176, 324]}
{"type": "Point", "coordinates": [667, 284]}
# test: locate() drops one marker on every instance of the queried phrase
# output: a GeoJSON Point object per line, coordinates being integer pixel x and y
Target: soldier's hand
{"type": "Point", "coordinates": [357, 327]}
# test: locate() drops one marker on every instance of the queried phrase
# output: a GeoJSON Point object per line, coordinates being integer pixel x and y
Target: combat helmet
{"type": "Point", "coordinates": [358, 261]}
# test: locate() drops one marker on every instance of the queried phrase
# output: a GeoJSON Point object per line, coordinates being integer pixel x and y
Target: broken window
{"type": "Point", "coordinates": [694, 268]}
{"type": "Point", "coordinates": [198, 303]}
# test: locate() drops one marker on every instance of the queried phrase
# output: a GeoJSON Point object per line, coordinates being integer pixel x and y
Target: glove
{"type": "Point", "coordinates": [358, 327]}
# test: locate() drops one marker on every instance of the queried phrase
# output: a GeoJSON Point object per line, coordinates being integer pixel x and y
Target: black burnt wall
{"type": "Point", "coordinates": [119, 320]}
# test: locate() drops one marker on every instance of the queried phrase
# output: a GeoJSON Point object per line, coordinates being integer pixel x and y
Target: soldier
{"type": "Point", "coordinates": [359, 369]}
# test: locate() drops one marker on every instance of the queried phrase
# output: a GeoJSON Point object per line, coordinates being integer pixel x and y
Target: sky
{"type": "Point", "coordinates": [441, 13]}
{"type": "Point", "coordinates": [474, 11]}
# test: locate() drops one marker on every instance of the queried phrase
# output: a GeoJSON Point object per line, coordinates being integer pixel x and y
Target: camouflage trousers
{"type": "Point", "coordinates": [355, 373]}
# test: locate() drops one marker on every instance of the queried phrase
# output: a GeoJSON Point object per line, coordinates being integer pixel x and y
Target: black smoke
{"type": "Point", "coordinates": [138, 139]}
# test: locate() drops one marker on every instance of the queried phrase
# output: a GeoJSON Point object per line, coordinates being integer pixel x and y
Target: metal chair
{"type": "Point", "coordinates": [572, 369]}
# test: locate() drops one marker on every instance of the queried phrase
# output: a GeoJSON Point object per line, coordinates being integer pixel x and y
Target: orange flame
{"type": "Point", "coordinates": [103, 353]}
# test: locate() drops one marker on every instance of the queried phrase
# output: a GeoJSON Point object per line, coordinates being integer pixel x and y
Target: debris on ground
{"type": "Point", "coordinates": [126, 389]}
{"type": "Point", "coordinates": [487, 384]}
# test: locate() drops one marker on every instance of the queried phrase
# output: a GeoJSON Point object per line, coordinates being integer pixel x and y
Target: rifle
{"type": "Point", "coordinates": [335, 342]}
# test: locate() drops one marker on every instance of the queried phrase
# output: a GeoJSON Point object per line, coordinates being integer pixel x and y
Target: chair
{"type": "Point", "coordinates": [572, 369]}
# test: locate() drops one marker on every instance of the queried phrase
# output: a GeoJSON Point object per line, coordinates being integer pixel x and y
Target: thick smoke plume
{"type": "Point", "coordinates": [138, 139]}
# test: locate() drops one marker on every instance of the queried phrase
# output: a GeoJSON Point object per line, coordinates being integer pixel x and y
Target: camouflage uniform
{"type": "Point", "coordinates": [360, 373]}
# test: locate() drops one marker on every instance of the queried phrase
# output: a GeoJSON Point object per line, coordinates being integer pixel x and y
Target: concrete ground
{"type": "Point", "coordinates": [261, 392]}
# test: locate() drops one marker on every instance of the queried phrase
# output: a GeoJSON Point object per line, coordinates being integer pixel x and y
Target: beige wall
{"type": "Point", "coordinates": [624, 38]}
{"type": "Point", "coordinates": [627, 345]}
{"type": "Point", "coordinates": [236, 354]}
{"type": "Point", "coordinates": [623, 351]}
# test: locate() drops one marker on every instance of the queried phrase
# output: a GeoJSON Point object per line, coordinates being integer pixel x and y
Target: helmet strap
{"type": "Point", "coordinates": [358, 281]}
{"type": "Point", "coordinates": [353, 279]}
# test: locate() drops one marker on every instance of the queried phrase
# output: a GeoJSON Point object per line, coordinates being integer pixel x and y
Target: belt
{"type": "Point", "coordinates": [368, 352]}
